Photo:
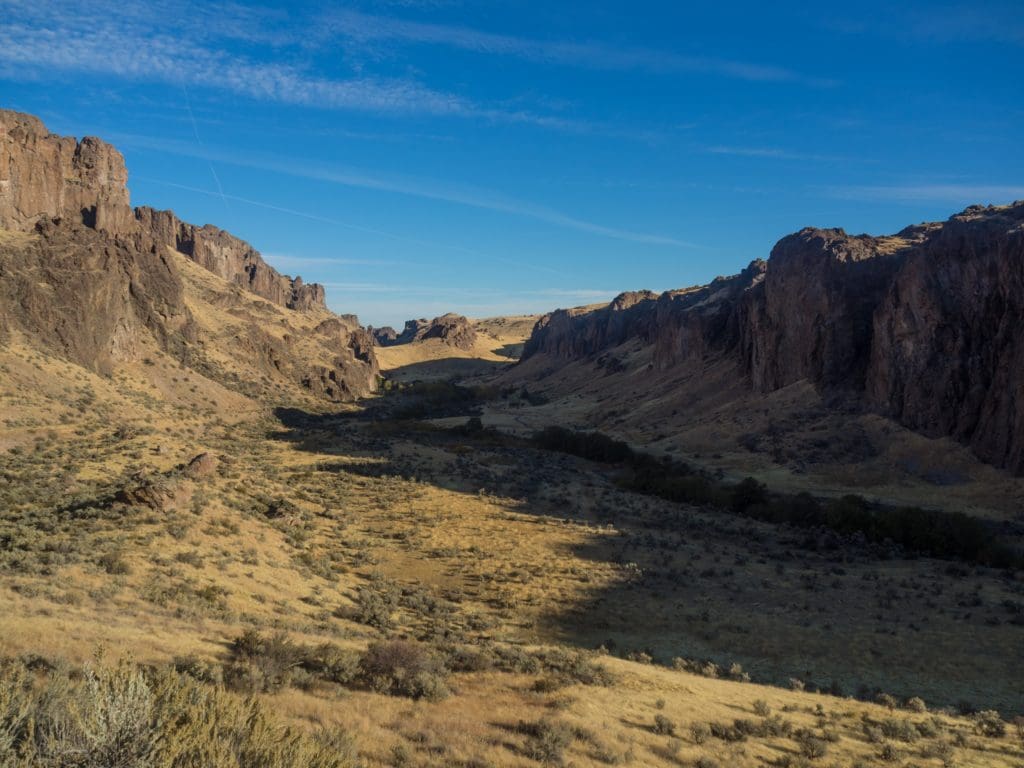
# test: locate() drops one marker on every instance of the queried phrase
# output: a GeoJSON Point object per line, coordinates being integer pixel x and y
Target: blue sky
{"type": "Point", "coordinates": [491, 157]}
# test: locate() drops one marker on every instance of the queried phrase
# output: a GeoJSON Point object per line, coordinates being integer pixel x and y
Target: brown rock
{"type": "Point", "coordinates": [200, 466]}
{"type": "Point", "coordinates": [810, 318]}
{"type": "Point", "coordinates": [228, 257]}
{"type": "Point", "coordinates": [924, 326]}
{"type": "Point", "coordinates": [44, 176]}
{"type": "Point", "coordinates": [383, 337]}
{"type": "Point", "coordinates": [161, 494]}
{"type": "Point", "coordinates": [89, 297]}
{"type": "Point", "coordinates": [454, 330]}
{"type": "Point", "coordinates": [948, 353]}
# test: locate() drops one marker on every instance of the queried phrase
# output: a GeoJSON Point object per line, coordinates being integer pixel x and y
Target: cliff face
{"type": "Point", "coordinates": [948, 352]}
{"type": "Point", "coordinates": [83, 274]}
{"type": "Point", "coordinates": [46, 176]}
{"type": "Point", "coordinates": [811, 316]}
{"type": "Point", "coordinates": [569, 334]}
{"type": "Point", "coordinates": [454, 330]}
{"type": "Point", "coordinates": [683, 326]}
{"type": "Point", "coordinates": [88, 296]}
{"type": "Point", "coordinates": [924, 326]}
{"type": "Point", "coordinates": [229, 257]}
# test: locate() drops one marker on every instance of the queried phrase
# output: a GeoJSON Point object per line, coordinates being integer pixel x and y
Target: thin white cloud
{"type": "Point", "coordinates": [427, 189]}
{"type": "Point", "coordinates": [105, 49]}
{"type": "Point", "coordinates": [287, 260]}
{"type": "Point", "coordinates": [366, 28]}
{"type": "Point", "coordinates": [347, 225]}
{"type": "Point", "coordinates": [959, 194]}
{"type": "Point", "coordinates": [133, 47]}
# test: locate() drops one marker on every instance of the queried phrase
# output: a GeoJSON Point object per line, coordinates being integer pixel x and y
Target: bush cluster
{"type": "Point", "coordinates": [125, 717]}
{"type": "Point", "coordinates": [938, 533]}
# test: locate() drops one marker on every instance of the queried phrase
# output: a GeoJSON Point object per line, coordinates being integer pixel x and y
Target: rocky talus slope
{"type": "Point", "coordinates": [923, 326]}
{"type": "Point", "coordinates": [84, 274]}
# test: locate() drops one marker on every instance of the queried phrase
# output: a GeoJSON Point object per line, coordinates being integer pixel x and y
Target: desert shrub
{"type": "Point", "coordinates": [664, 726]}
{"type": "Point", "coordinates": [404, 668]}
{"type": "Point", "coordinates": [699, 733]}
{"type": "Point", "coordinates": [761, 708]}
{"type": "Point", "coordinates": [573, 666]}
{"type": "Point", "coordinates": [915, 704]}
{"type": "Point", "coordinates": [889, 753]}
{"type": "Point", "coordinates": [114, 564]}
{"type": "Point", "coordinates": [595, 446]}
{"type": "Point", "coordinates": [727, 732]}
{"type": "Point", "coordinates": [261, 664]}
{"type": "Point", "coordinates": [198, 669]}
{"type": "Point", "coordinates": [989, 723]}
{"type": "Point", "coordinates": [122, 717]}
{"type": "Point", "coordinates": [811, 747]}
{"type": "Point", "coordinates": [376, 602]}
{"type": "Point", "coordinates": [547, 740]}
{"type": "Point", "coordinates": [331, 663]}
{"type": "Point", "coordinates": [512, 658]}
{"type": "Point", "coordinates": [901, 730]}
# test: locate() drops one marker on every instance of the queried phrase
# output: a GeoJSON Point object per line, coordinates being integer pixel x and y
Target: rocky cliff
{"type": "Point", "coordinates": [229, 257]}
{"type": "Point", "coordinates": [90, 297]}
{"type": "Point", "coordinates": [947, 353]}
{"type": "Point", "coordinates": [923, 326]}
{"type": "Point", "coordinates": [45, 176]}
{"type": "Point", "coordinates": [84, 275]}
{"type": "Point", "coordinates": [453, 330]}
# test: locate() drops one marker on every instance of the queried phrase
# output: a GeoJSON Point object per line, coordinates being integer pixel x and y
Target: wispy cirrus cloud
{"type": "Point", "coordinates": [776, 153]}
{"type": "Point", "coordinates": [958, 194]}
{"type": "Point", "coordinates": [132, 45]}
{"type": "Point", "coordinates": [367, 28]}
{"type": "Point", "coordinates": [429, 189]}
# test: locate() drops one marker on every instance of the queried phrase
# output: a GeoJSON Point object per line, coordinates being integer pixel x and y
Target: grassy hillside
{"type": "Point", "coordinates": [398, 594]}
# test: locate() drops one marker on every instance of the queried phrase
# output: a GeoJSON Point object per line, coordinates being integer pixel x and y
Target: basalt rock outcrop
{"type": "Point", "coordinates": [90, 297]}
{"type": "Point", "coordinates": [228, 257]}
{"type": "Point", "coordinates": [88, 277]}
{"type": "Point", "coordinates": [923, 326]}
{"type": "Point", "coordinates": [384, 337]}
{"type": "Point", "coordinates": [811, 316]}
{"type": "Point", "coordinates": [453, 330]}
{"type": "Point", "coordinates": [947, 356]}
{"type": "Point", "coordinates": [44, 176]}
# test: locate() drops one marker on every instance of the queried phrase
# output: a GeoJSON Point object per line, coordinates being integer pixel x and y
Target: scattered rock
{"type": "Point", "coordinates": [203, 465]}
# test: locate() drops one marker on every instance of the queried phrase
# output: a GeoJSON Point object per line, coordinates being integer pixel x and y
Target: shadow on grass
{"type": "Point", "coordinates": [673, 580]}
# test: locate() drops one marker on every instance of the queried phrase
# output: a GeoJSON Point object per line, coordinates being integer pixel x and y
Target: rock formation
{"type": "Point", "coordinates": [44, 176]}
{"type": "Point", "coordinates": [948, 336]}
{"type": "Point", "coordinates": [454, 330]}
{"type": "Point", "coordinates": [383, 337]}
{"type": "Point", "coordinates": [229, 257]}
{"type": "Point", "coordinates": [88, 296]}
{"type": "Point", "coordinates": [86, 276]}
{"type": "Point", "coordinates": [923, 326]}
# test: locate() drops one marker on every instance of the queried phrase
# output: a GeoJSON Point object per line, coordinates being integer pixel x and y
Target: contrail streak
{"type": "Point", "coordinates": [355, 227]}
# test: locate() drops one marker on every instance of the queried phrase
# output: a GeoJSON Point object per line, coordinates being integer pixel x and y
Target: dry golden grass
{"type": "Point", "coordinates": [490, 546]}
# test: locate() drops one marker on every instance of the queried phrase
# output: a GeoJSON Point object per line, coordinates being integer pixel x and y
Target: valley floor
{"type": "Point", "coordinates": [350, 526]}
